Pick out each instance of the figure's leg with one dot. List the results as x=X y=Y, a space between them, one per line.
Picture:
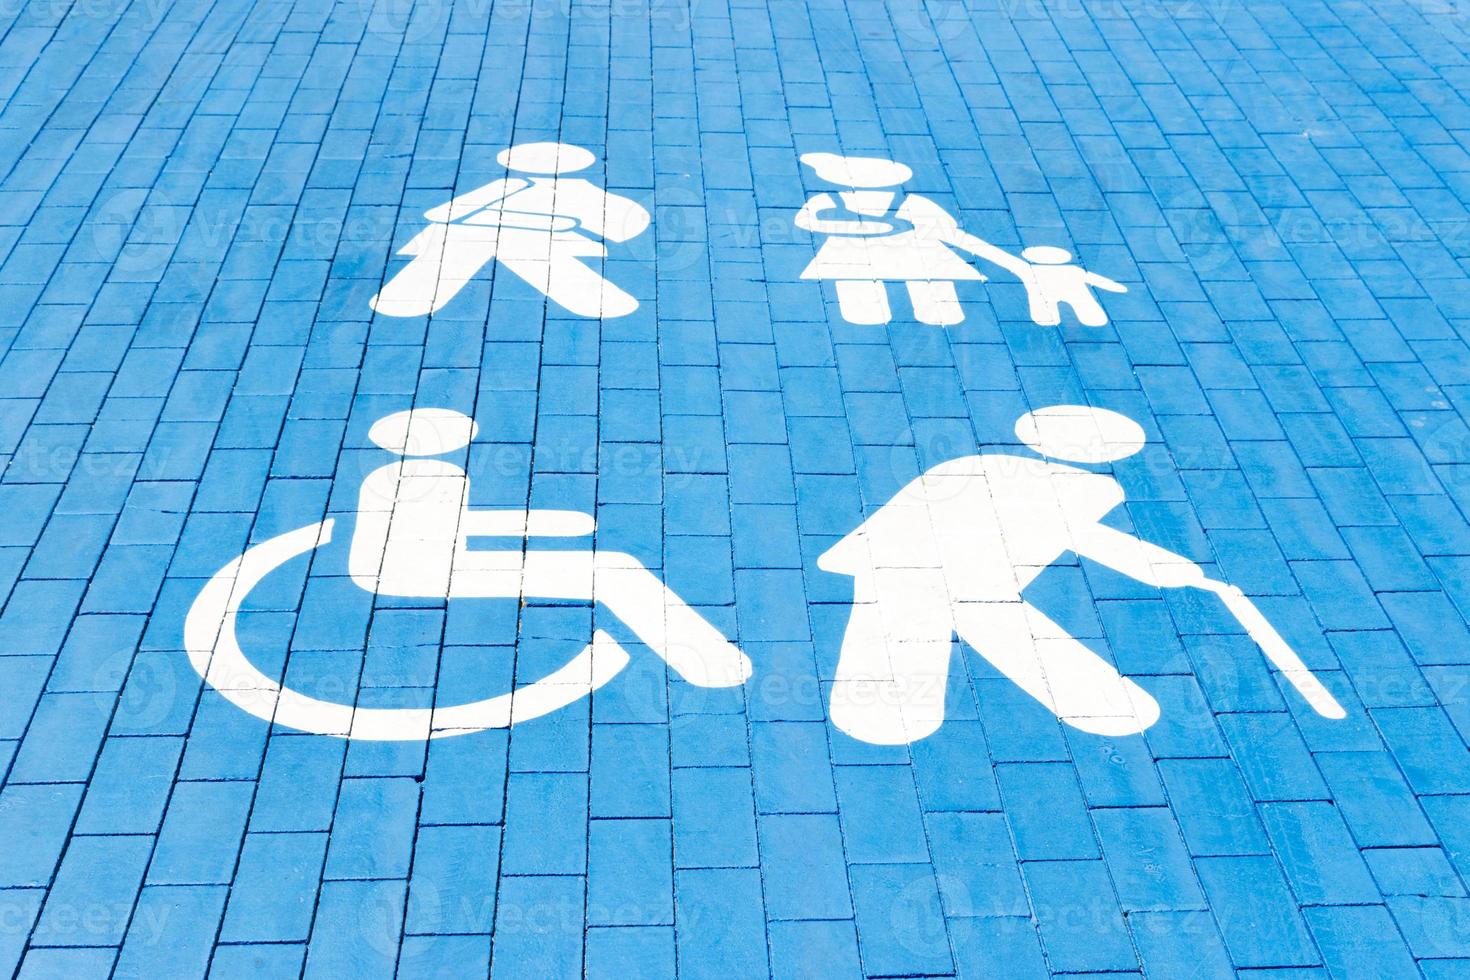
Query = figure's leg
x=1043 y=307
x=1072 y=681
x=892 y=675
x=1088 y=310
x=569 y=281
x=863 y=301
x=666 y=623
x=936 y=303
x=491 y=574
x=893 y=671
x=445 y=258
x=1045 y=313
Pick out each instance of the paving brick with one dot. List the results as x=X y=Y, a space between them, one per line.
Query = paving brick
x=900 y=924
x=1057 y=828
x=356 y=929
x=789 y=763
x=812 y=949
x=36 y=819
x=452 y=887
x=714 y=819
x=644 y=951
x=1321 y=860
x=975 y=864
x=201 y=834
x=881 y=821
x=429 y=956
x=1256 y=912
x=1180 y=941
x=1147 y=858
x=93 y=893
x=630 y=873
x=722 y=931
x=200 y=204
x=1078 y=917
x=129 y=787
x=808 y=871
x=546 y=824
x=172 y=932
x=275 y=888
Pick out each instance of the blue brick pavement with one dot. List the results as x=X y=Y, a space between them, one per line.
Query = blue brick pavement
x=197 y=202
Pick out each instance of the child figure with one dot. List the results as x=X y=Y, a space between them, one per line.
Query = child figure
x=1051 y=279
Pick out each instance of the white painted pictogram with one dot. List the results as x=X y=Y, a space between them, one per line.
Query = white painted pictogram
x=539 y=223
x=415 y=536
x=870 y=243
x=953 y=552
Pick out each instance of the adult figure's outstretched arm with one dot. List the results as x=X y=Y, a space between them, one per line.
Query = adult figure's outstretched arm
x=994 y=254
x=1104 y=283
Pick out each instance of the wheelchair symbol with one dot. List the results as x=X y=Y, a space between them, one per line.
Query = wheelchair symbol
x=412 y=538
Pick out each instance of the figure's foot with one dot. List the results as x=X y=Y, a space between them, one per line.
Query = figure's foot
x=878 y=712
x=936 y=303
x=615 y=302
x=417 y=289
x=606 y=302
x=668 y=626
x=392 y=303
x=1104 y=704
x=708 y=660
x=864 y=303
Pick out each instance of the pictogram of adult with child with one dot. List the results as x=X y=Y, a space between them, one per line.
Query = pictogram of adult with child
x=870 y=243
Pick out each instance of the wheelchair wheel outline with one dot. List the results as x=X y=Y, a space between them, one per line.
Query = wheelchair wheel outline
x=214 y=652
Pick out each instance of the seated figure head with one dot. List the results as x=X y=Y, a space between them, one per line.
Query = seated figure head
x=545 y=158
x=424 y=431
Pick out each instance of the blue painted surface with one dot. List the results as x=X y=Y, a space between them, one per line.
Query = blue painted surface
x=196 y=203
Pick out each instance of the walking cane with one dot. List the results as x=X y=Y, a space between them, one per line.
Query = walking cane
x=1276 y=649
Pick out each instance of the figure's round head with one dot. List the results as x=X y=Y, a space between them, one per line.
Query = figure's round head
x=857 y=171
x=423 y=431
x=545 y=158
x=1080 y=433
x=1046 y=255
